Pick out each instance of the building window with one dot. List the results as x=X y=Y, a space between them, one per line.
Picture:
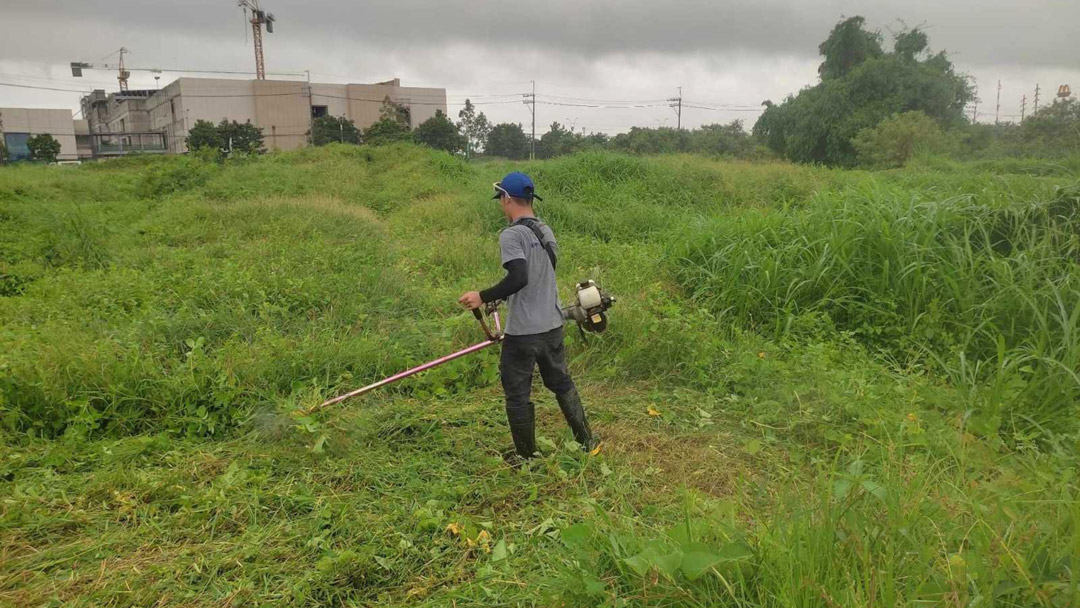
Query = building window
x=318 y=111
x=123 y=129
x=172 y=109
x=16 y=146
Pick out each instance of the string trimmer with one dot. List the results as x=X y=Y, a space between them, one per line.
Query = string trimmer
x=588 y=311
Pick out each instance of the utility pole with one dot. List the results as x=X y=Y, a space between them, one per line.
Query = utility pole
x=1036 y=99
x=975 y=106
x=997 y=111
x=1023 y=106
x=676 y=102
x=310 y=111
x=529 y=99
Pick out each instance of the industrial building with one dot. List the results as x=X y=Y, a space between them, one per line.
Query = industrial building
x=150 y=121
x=283 y=109
x=17 y=125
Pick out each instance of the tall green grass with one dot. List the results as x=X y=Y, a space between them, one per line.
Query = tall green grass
x=176 y=294
x=986 y=296
x=820 y=388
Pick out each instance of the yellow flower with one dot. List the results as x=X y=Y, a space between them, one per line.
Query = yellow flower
x=653 y=411
x=453 y=528
x=485 y=540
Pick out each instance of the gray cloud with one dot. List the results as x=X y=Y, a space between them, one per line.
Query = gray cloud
x=1025 y=32
x=733 y=52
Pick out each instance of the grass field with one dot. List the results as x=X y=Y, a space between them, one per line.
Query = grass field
x=820 y=387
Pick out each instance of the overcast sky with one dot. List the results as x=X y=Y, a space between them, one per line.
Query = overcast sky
x=728 y=54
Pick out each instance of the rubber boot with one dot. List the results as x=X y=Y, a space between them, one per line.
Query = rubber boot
x=570 y=404
x=523 y=430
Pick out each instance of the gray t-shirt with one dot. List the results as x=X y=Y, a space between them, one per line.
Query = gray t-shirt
x=535 y=309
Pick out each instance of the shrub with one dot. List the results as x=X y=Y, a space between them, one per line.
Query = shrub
x=898 y=139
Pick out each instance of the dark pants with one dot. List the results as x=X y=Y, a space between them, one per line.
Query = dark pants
x=546 y=351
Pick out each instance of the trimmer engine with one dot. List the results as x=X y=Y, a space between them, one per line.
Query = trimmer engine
x=589 y=308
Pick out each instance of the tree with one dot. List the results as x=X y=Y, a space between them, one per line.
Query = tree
x=898 y=139
x=386 y=131
x=242 y=138
x=723 y=140
x=43 y=148
x=394 y=124
x=331 y=129
x=203 y=135
x=396 y=112
x=910 y=43
x=861 y=86
x=557 y=142
x=847 y=46
x=439 y=133
x=507 y=140
x=664 y=140
x=475 y=128
x=227 y=137
x=1052 y=131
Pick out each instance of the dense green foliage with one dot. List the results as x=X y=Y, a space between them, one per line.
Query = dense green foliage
x=474 y=127
x=819 y=386
x=507 y=140
x=330 y=129
x=386 y=131
x=43 y=148
x=898 y=139
x=1051 y=132
x=226 y=138
x=849 y=45
x=861 y=85
x=440 y=133
x=730 y=140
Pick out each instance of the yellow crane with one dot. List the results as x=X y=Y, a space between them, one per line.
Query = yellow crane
x=258 y=18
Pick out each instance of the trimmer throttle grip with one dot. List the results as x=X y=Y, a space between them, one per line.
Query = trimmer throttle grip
x=479 y=315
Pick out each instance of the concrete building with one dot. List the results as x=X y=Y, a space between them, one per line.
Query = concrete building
x=120 y=112
x=17 y=125
x=158 y=120
x=282 y=108
x=119 y=123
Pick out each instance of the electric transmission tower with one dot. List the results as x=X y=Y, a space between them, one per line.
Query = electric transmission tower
x=529 y=99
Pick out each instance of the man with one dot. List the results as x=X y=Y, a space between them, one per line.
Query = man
x=534 y=331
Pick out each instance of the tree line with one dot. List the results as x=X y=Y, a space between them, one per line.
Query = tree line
x=871 y=107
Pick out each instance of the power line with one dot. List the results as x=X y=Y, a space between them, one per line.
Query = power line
x=27 y=86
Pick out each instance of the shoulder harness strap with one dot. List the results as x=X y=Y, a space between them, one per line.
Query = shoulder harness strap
x=531 y=224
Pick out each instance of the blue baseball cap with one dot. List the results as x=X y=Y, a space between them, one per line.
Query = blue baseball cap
x=518 y=185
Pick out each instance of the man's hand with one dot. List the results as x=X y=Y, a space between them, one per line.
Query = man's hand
x=471 y=300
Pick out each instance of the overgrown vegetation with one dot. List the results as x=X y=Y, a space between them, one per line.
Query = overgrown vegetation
x=43 y=148
x=861 y=85
x=226 y=138
x=820 y=387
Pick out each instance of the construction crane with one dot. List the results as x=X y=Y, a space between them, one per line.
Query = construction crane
x=122 y=73
x=258 y=18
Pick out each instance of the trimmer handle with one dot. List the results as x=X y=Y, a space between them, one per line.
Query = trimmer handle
x=496 y=335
